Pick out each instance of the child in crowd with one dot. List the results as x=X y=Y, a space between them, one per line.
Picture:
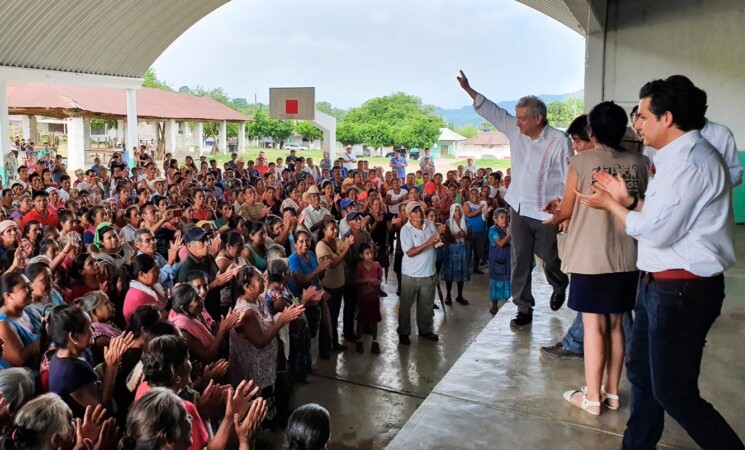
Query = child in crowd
x=368 y=277
x=500 y=269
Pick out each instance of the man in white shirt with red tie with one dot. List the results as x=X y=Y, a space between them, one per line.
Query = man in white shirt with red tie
x=539 y=155
x=685 y=235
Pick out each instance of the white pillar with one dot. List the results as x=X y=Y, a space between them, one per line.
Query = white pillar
x=77 y=142
x=199 y=137
x=4 y=130
x=327 y=124
x=223 y=136
x=171 y=135
x=120 y=127
x=25 y=127
x=241 y=137
x=132 y=136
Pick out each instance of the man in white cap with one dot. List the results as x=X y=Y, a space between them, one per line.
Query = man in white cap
x=350 y=161
x=314 y=212
x=419 y=238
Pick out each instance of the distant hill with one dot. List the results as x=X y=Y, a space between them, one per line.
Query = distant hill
x=466 y=115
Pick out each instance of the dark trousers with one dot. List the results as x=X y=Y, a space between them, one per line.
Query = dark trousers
x=350 y=309
x=531 y=237
x=335 y=308
x=664 y=361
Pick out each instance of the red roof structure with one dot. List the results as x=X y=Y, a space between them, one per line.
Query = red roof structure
x=60 y=101
x=487 y=139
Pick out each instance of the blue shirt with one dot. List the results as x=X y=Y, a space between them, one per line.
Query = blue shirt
x=399 y=166
x=298 y=264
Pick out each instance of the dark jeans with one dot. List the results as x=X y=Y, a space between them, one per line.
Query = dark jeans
x=574 y=340
x=664 y=361
x=530 y=236
x=334 y=308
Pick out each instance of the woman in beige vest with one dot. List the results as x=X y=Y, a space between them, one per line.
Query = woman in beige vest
x=600 y=256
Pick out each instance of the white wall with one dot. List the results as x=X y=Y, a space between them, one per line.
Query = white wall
x=650 y=39
x=478 y=152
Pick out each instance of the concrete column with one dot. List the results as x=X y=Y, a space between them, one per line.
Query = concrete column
x=4 y=130
x=199 y=136
x=595 y=44
x=77 y=141
x=327 y=124
x=132 y=135
x=223 y=137
x=241 y=137
x=28 y=128
x=120 y=130
x=171 y=135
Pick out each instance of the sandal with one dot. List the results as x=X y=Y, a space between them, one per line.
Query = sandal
x=461 y=300
x=448 y=301
x=494 y=308
x=585 y=403
x=604 y=397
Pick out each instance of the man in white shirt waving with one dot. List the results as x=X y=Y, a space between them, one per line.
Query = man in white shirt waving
x=539 y=153
x=685 y=234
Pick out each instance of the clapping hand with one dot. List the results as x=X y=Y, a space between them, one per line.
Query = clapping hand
x=246 y=429
x=112 y=354
x=613 y=185
x=311 y=295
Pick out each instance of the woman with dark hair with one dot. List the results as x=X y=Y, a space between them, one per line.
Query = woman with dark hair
x=85 y=277
x=186 y=315
x=95 y=216
x=256 y=245
x=253 y=343
x=144 y=288
x=600 y=256
x=71 y=376
x=309 y=428
x=335 y=250
x=166 y=364
x=40 y=279
x=111 y=250
x=20 y=342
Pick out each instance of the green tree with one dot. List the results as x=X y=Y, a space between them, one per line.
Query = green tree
x=349 y=133
x=150 y=79
x=217 y=94
x=308 y=131
x=561 y=113
x=327 y=108
x=281 y=130
x=467 y=131
x=397 y=119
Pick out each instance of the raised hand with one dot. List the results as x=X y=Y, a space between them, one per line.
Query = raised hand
x=239 y=401
x=246 y=429
x=108 y=436
x=210 y=401
x=92 y=422
x=311 y=295
x=112 y=354
x=216 y=370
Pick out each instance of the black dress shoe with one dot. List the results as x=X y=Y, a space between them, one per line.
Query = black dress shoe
x=557 y=300
x=403 y=339
x=430 y=336
x=522 y=319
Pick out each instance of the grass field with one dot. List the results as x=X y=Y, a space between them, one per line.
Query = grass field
x=443 y=164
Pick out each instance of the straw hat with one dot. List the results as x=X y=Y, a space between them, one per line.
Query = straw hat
x=311 y=190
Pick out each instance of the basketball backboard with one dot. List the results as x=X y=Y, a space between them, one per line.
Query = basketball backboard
x=292 y=103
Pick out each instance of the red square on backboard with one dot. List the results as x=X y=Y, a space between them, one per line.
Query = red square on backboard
x=291 y=106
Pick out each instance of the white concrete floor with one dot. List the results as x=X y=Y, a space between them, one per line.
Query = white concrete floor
x=498 y=392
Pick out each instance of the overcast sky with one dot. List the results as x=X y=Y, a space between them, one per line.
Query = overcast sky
x=353 y=50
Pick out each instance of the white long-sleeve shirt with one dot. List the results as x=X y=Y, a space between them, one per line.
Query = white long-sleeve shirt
x=687 y=219
x=723 y=140
x=539 y=167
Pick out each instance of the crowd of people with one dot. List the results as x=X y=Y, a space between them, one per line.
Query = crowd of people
x=141 y=298
x=180 y=302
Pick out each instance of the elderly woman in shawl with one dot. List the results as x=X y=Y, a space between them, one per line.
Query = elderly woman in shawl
x=187 y=316
x=457 y=235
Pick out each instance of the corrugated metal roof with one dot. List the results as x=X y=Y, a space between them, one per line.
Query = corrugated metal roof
x=110 y=37
x=558 y=10
x=56 y=100
x=488 y=139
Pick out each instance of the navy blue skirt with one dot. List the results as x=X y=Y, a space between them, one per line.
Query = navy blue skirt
x=608 y=293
